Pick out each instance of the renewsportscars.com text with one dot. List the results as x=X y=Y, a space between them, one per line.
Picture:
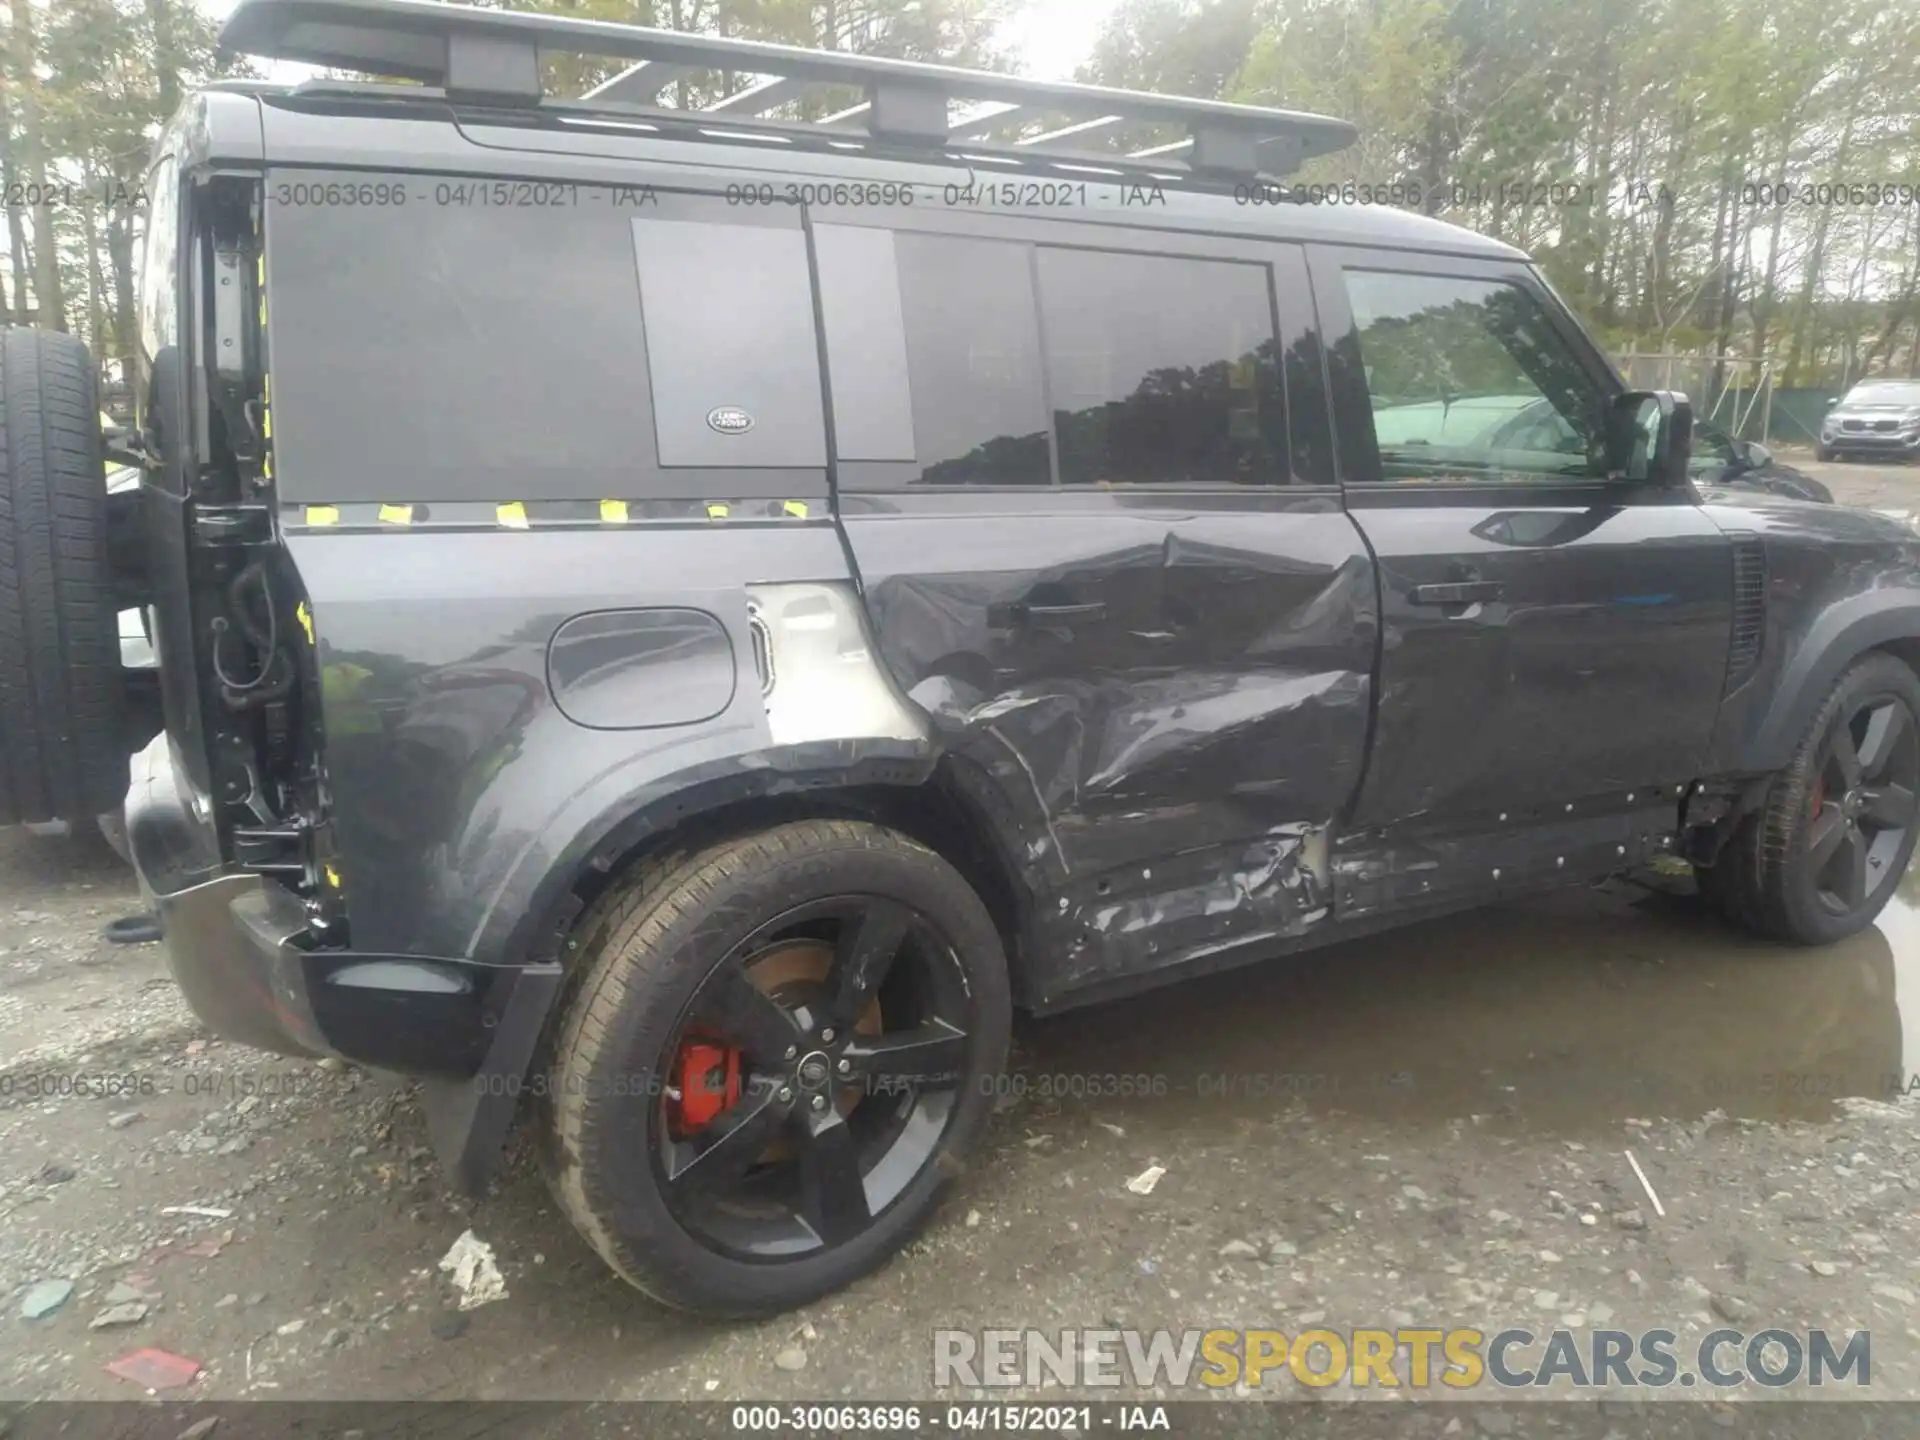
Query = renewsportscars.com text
x=1402 y=1357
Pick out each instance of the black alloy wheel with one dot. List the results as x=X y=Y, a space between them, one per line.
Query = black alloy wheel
x=1862 y=806
x=830 y=1101
x=1823 y=854
x=773 y=1057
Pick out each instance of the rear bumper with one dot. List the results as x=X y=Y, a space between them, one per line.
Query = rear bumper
x=235 y=944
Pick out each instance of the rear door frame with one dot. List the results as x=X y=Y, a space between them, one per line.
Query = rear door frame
x=1143 y=897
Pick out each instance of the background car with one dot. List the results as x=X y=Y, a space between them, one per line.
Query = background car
x=1875 y=417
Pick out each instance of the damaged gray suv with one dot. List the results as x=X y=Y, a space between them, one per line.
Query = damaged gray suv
x=674 y=622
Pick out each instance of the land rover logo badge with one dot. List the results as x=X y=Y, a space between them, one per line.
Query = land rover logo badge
x=729 y=420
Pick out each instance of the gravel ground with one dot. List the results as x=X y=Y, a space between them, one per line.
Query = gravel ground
x=1893 y=488
x=1428 y=1128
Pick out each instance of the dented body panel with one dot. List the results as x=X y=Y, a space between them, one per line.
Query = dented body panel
x=1194 y=707
x=1162 y=723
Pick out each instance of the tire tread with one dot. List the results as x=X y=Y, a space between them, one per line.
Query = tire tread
x=62 y=752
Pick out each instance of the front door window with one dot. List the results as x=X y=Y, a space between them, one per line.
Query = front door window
x=1469 y=380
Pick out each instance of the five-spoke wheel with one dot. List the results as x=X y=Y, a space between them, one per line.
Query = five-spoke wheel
x=774 y=1055
x=1863 y=803
x=814 y=1076
x=1836 y=828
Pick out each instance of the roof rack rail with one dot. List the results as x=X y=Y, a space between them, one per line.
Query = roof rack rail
x=494 y=57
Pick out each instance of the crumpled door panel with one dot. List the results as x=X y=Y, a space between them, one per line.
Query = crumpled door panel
x=1192 y=681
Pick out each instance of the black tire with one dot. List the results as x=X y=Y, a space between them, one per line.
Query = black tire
x=1776 y=875
x=648 y=953
x=62 y=732
x=1822 y=452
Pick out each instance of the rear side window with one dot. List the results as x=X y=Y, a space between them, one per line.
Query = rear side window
x=159 y=390
x=1161 y=371
x=433 y=351
x=159 y=261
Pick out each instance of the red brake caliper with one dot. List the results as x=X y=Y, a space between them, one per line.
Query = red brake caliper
x=707 y=1075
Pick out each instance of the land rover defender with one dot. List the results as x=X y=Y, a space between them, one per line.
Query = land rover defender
x=675 y=621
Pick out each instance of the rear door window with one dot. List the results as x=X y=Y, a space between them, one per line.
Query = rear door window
x=973 y=361
x=1161 y=370
x=933 y=344
x=958 y=360
x=866 y=336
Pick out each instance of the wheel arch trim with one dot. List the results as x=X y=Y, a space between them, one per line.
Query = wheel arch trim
x=1836 y=639
x=469 y=1120
x=618 y=817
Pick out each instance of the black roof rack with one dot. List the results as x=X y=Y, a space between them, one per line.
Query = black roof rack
x=494 y=57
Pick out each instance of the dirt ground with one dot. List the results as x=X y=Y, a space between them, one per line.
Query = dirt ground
x=1426 y=1128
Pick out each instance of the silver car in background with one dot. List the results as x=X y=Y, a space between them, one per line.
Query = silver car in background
x=1875 y=417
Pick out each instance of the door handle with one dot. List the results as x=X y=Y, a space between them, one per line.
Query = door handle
x=1090 y=610
x=1458 y=592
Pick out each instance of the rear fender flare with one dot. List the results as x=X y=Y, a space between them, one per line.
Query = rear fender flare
x=530 y=909
x=535 y=907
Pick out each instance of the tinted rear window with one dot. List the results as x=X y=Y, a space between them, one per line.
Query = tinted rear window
x=964 y=361
x=973 y=355
x=1161 y=371
x=429 y=351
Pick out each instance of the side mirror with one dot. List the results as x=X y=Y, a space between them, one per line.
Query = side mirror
x=1649 y=436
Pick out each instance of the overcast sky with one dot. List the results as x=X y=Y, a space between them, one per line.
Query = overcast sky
x=1056 y=35
x=1053 y=37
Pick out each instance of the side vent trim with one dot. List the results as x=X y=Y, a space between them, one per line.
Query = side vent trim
x=1749 y=611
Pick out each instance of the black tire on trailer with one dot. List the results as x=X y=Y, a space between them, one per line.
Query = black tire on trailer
x=62 y=728
x=861 y=986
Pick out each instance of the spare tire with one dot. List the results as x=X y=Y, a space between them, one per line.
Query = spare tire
x=62 y=729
